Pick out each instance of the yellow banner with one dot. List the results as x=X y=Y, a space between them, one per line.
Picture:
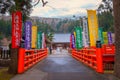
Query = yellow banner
x=93 y=26
x=34 y=37
x=74 y=34
x=105 y=37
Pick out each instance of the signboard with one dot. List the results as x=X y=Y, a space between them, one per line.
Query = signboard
x=100 y=35
x=110 y=38
x=39 y=40
x=16 y=29
x=93 y=26
x=85 y=33
x=78 y=31
x=105 y=37
x=34 y=37
x=28 y=29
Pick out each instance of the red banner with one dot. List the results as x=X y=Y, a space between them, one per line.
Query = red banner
x=16 y=29
x=71 y=41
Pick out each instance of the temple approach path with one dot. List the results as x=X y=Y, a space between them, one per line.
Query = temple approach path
x=61 y=66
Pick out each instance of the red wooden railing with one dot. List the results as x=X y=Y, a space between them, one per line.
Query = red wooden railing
x=95 y=58
x=28 y=58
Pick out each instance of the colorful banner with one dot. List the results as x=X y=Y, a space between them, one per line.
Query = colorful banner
x=105 y=37
x=74 y=34
x=85 y=33
x=34 y=37
x=27 y=31
x=73 y=41
x=85 y=44
x=16 y=29
x=39 y=40
x=79 y=43
x=93 y=26
x=43 y=41
x=100 y=35
x=110 y=41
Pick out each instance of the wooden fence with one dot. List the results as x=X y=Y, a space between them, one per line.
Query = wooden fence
x=100 y=59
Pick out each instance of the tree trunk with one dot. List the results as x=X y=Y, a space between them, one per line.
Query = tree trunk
x=13 y=66
x=116 y=6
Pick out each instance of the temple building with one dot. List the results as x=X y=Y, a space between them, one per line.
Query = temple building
x=61 y=41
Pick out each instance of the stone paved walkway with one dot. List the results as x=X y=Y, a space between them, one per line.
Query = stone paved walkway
x=61 y=66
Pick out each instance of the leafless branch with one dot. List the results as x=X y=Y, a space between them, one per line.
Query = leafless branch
x=43 y=2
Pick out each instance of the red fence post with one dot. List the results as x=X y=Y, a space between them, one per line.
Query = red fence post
x=73 y=51
x=46 y=51
x=21 y=56
x=99 y=58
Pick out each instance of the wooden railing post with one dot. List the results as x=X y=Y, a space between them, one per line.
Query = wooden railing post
x=21 y=57
x=99 y=57
x=99 y=60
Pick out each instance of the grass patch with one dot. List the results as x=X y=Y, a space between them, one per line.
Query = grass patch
x=109 y=71
x=4 y=75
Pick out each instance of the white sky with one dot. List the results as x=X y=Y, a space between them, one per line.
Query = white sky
x=65 y=8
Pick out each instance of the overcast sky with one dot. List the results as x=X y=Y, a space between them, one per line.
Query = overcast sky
x=65 y=8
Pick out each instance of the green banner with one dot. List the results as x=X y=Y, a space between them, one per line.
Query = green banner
x=105 y=37
x=100 y=34
x=39 y=40
x=79 y=43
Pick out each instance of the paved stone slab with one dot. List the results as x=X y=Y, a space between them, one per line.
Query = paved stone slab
x=62 y=67
x=32 y=74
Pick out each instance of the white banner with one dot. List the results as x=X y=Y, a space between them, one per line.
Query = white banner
x=43 y=40
x=85 y=33
x=84 y=40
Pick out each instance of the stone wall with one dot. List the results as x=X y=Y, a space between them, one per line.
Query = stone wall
x=4 y=62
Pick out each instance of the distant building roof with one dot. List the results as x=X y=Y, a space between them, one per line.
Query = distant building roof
x=61 y=38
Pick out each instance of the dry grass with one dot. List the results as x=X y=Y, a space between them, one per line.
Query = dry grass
x=109 y=71
x=4 y=75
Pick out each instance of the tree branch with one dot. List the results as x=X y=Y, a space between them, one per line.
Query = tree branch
x=43 y=2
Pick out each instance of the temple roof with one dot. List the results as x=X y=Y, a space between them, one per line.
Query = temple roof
x=61 y=38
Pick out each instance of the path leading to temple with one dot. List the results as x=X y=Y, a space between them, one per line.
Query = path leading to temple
x=61 y=66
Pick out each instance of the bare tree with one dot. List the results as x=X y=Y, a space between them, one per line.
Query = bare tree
x=43 y=2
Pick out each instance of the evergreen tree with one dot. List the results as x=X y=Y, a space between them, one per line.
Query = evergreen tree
x=106 y=6
x=5 y=28
x=9 y=6
x=105 y=21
